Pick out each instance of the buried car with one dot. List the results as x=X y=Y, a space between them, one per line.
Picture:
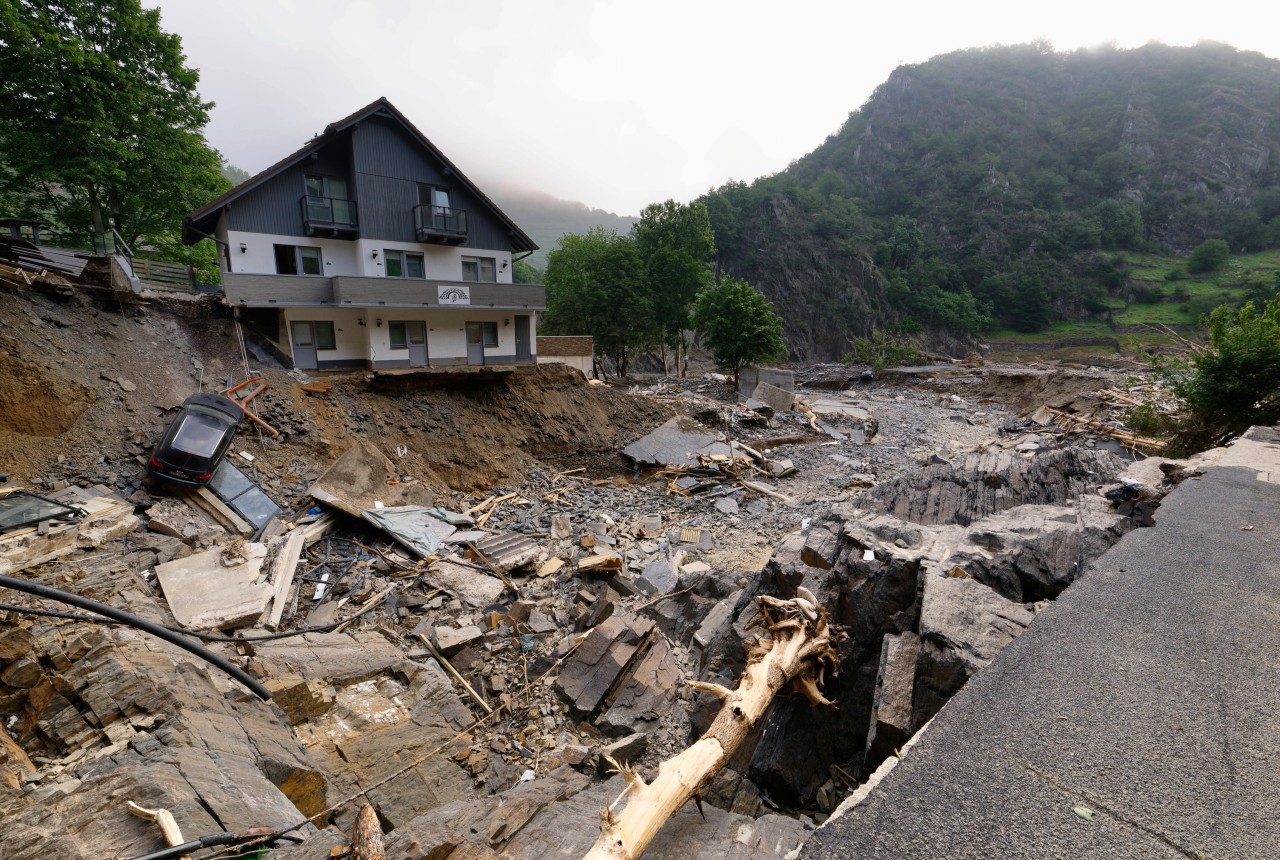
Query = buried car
x=196 y=440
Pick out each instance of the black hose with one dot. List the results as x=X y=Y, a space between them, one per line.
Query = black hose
x=194 y=845
x=142 y=624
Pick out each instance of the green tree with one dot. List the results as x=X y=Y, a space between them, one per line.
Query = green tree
x=100 y=121
x=677 y=245
x=1209 y=256
x=1236 y=382
x=524 y=272
x=596 y=285
x=738 y=326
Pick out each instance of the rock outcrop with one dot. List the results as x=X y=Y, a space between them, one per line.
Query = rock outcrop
x=930 y=576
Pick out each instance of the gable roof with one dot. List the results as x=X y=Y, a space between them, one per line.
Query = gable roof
x=201 y=223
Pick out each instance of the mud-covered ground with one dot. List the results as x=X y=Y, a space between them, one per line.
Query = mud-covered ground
x=86 y=389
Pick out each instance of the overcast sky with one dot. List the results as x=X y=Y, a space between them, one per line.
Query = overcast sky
x=617 y=104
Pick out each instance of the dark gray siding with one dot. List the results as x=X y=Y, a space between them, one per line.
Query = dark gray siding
x=389 y=164
x=275 y=205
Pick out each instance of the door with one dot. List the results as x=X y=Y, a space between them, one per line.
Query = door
x=475 y=343
x=415 y=334
x=524 y=347
x=304 y=345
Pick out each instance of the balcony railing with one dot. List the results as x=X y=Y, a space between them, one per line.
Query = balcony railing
x=439 y=224
x=329 y=216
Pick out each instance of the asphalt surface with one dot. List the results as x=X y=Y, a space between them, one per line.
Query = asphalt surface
x=1148 y=694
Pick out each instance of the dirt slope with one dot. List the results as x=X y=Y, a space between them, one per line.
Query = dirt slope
x=85 y=390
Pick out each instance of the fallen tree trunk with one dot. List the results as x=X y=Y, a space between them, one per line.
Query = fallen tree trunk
x=799 y=649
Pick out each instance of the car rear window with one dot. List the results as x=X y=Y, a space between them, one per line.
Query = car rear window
x=199 y=435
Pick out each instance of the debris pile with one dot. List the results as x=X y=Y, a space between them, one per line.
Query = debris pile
x=467 y=624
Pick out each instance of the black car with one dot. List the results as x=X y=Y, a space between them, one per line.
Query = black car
x=196 y=440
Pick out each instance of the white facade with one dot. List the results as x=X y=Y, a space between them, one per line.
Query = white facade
x=254 y=253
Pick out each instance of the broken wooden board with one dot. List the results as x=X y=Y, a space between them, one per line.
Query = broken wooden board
x=204 y=593
x=282 y=573
x=205 y=500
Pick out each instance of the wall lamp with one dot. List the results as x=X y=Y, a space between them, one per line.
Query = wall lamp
x=360 y=321
x=504 y=265
x=243 y=247
x=378 y=322
x=506 y=322
x=375 y=255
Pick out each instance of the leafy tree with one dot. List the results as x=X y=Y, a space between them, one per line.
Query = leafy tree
x=1209 y=256
x=881 y=351
x=234 y=175
x=1236 y=382
x=676 y=243
x=524 y=272
x=738 y=326
x=100 y=121
x=596 y=285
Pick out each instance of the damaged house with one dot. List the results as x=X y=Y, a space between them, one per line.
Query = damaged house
x=367 y=247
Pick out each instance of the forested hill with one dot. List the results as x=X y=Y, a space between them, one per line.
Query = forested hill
x=1002 y=186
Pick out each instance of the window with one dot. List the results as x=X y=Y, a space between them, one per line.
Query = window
x=482 y=269
x=286 y=260
x=395 y=330
x=403 y=264
x=490 y=333
x=311 y=264
x=298 y=260
x=325 y=337
x=327 y=200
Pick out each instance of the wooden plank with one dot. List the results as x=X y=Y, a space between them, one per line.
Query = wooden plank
x=204 y=498
x=282 y=573
x=603 y=561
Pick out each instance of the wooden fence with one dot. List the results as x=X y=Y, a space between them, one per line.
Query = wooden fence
x=164 y=276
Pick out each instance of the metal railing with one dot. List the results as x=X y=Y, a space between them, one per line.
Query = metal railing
x=328 y=212
x=432 y=220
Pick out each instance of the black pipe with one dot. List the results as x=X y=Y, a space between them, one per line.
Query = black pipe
x=194 y=845
x=140 y=623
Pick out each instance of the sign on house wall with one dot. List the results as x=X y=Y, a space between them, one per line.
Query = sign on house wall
x=454 y=295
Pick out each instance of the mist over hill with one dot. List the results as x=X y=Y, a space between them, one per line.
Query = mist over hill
x=546 y=218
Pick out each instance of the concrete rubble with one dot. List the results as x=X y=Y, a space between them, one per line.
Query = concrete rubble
x=468 y=661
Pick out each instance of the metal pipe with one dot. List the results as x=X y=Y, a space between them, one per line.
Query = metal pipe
x=142 y=624
x=194 y=845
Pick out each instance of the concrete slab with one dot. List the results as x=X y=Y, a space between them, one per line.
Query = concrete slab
x=205 y=594
x=361 y=478
x=679 y=442
x=473 y=587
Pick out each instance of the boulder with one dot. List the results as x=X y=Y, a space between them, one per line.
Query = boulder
x=963 y=625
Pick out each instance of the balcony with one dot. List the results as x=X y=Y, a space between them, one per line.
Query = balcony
x=266 y=291
x=440 y=225
x=329 y=217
